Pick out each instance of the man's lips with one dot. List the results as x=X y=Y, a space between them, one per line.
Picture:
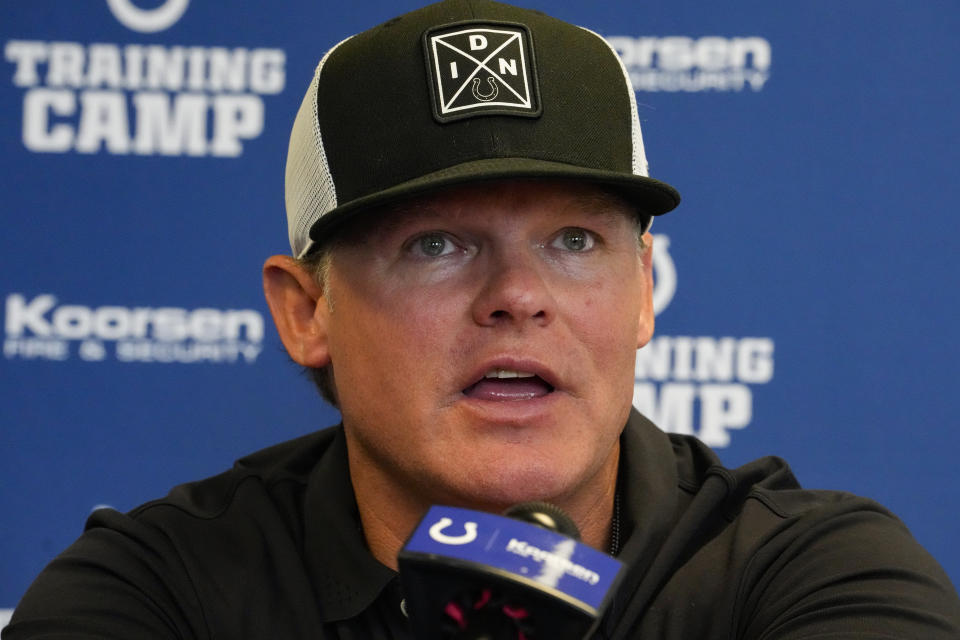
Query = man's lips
x=507 y=382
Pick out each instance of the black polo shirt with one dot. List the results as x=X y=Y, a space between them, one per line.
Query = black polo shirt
x=273 y=549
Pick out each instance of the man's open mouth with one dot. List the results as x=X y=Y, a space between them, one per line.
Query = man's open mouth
x=508 y=384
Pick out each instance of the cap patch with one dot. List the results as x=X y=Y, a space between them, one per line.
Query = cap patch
x=481 y=68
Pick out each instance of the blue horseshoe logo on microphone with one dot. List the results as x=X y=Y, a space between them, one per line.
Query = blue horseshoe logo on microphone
x=436 y=532
x=485 y=97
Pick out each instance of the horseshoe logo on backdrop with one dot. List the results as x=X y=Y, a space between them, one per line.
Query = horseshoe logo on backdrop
x=436 y=532
x=147 y=20
x=494 y=90
x=664 y=272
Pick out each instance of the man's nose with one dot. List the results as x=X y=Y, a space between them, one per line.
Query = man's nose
x=515 y=291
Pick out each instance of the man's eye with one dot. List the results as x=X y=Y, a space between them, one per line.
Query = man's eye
x=432 y=245
x=574 y=239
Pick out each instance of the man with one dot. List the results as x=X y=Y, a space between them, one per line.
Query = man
x=468 y=207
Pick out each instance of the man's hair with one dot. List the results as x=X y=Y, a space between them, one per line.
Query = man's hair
x=318 y=263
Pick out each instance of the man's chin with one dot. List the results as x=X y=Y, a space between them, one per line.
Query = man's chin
x=505 y=484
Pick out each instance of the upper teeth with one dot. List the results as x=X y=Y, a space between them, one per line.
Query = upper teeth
x=508 y=373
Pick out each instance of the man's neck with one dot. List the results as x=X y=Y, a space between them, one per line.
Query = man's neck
x=389 y=511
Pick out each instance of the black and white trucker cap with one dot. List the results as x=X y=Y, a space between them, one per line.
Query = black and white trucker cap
x=458 y=92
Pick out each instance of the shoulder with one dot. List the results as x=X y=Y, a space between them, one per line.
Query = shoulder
x=757 y=555
x=274 y=473
x=761 y=509
x=785 y=550
x=215 y=557
x=258 y=502
x=766 y=485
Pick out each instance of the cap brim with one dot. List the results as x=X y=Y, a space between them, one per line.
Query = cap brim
x=650 y=197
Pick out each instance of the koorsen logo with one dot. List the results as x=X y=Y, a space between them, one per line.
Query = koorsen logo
x=681 y=63
x=39 y=328
x=148 y=20
x=697 y=385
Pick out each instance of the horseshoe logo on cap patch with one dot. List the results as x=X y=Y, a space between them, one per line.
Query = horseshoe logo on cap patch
x=481 y=68
x=494 y=90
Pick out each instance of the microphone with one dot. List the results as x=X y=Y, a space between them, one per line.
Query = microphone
x=470 y=575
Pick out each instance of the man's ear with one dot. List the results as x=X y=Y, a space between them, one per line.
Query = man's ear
x=646 y=323
x=299 y=310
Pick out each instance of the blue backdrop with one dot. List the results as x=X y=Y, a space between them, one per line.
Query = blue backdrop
x=805 y=287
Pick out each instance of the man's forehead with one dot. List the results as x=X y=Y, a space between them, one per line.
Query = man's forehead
x=469 y=203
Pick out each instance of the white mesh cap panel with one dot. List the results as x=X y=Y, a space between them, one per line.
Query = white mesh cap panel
x=640 y=167
x=309 y=188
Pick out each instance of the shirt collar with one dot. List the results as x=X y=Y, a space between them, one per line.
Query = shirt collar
x=648 y=481
x=346 y=576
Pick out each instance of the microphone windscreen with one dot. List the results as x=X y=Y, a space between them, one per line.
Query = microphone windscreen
x=546 y=515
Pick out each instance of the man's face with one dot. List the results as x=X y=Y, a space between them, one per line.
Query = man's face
x=483 y=341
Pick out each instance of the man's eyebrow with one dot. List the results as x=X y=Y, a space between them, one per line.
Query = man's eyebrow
x=603 y=203
x=378 y=221
x=391 y=217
